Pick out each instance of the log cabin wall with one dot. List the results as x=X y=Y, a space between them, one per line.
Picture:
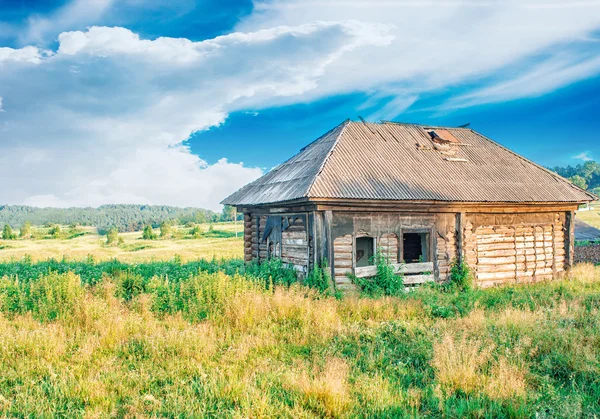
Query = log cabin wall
x=288 y=239
x=515 y=248
x=498 y=247
x=387 y=229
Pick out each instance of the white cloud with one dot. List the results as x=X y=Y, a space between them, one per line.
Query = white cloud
x=585 y=156
x=539 y=79
x=30 y=55
x=104 y=118
x=442 y=44
x=76 y=13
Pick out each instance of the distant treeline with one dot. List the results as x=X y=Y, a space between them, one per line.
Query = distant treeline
x=586 y=176
x=124 y=217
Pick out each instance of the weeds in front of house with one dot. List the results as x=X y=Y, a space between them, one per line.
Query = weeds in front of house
x=320 y=279
x=216 y=340
x=385 y=282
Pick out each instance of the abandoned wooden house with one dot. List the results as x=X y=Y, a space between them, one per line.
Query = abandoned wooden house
x=422 y=195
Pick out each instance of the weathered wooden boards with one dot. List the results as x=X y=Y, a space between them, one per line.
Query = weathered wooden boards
x=343 y=260
x=250 y=237
x=515 y=253
x=294 y=246
x=447 y=242
x=414 y=273
x=388 y=244
x=386 y=229
x=498 y=247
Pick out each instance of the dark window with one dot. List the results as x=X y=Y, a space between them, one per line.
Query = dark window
x=415 y=247
x=364 y=251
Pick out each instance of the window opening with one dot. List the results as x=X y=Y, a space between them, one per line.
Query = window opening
x=415 y=247
x=365 y=249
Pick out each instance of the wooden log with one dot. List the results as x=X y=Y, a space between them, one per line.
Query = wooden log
x=342 y=249
x=417 y=279
x=495 y=275
x=509 y=267
x=492 y=240
x=294 y=234
x=347 y=240
x=343 y=263
x=500 y=260
x=342 y=271
x=496 y=253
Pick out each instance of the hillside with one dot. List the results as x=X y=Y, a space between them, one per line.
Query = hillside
x=124 y=217
x=586 y=176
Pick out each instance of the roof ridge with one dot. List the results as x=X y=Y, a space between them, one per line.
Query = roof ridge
x=415 y=124
x=525 y=159
x=345 y=124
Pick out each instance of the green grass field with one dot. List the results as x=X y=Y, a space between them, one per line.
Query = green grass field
x=222 y=243
x=218 y=345
x=154 y=335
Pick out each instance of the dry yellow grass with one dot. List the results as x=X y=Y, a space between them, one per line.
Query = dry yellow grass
x=133 y=249
x=467 y=365
x=290 y=353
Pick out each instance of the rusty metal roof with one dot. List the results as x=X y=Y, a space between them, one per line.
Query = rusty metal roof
x=393 y=161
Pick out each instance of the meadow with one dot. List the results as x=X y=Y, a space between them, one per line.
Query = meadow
x=183 y=328
x=79 y=243
x=216 y=343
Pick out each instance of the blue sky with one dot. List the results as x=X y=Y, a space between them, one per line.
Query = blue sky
x=181 y=102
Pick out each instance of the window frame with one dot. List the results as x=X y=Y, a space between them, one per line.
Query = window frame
x=354 y=249
x=428 y=241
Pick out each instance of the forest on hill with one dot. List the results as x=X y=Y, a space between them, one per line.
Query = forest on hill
x=586 y=175
x=124 y=217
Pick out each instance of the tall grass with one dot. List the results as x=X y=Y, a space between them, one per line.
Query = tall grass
x=214 y=344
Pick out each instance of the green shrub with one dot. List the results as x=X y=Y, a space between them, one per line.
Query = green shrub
x=385 y=281
x=272 y=272
x=112 y=237
x=165 y=230
x=148 y=233
x=129 y=285
x=48 y=298
x=25 y=232
x=196 y=232
x=55 y=231
x=199 y=297
x=8 y=233
x=320 y=278
x=460 y=277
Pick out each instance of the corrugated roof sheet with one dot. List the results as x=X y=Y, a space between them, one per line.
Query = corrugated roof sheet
x=392 y=161
x=289 y=180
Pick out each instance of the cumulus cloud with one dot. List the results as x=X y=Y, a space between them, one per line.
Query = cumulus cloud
x=104 y=118
x=105 y=115
x=31 y=55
